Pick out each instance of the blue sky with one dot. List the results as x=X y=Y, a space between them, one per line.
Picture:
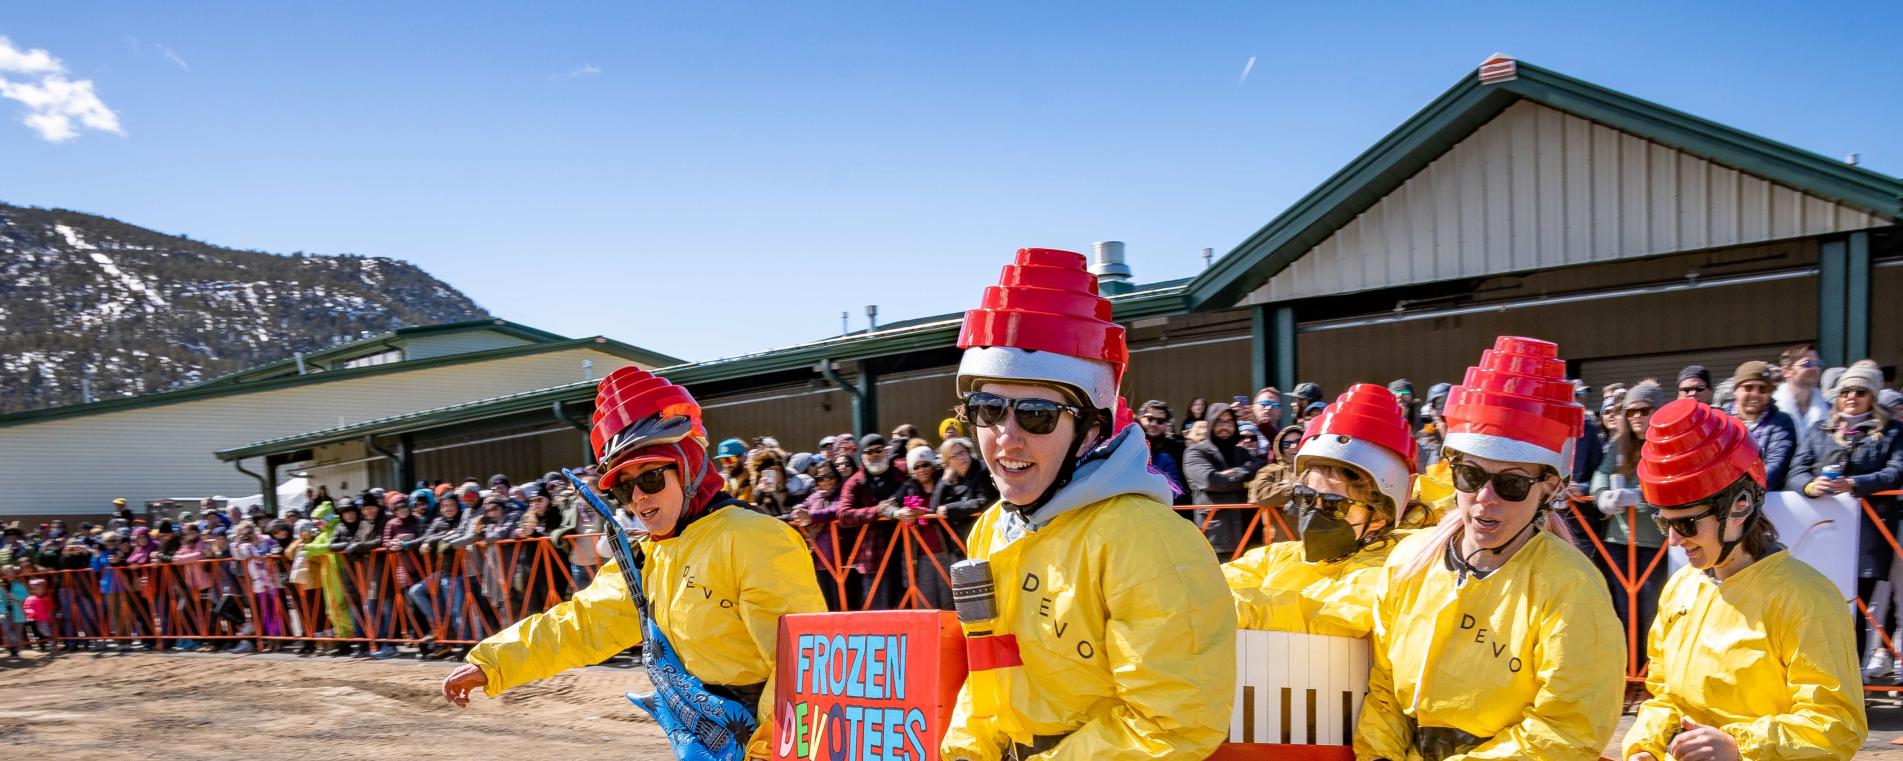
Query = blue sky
x=709 y=179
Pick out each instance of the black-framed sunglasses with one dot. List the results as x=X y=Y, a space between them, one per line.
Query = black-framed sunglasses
x=1689 y=390
x=1035 y=416
x=649 y=482
x=1512 y=487
x=1687 y=526
x=1309 y=499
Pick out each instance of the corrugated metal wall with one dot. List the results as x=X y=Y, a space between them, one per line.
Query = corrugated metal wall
x=796 y=415
x=55 y=465
x=1538 y=188
x=462 y=342
x=1886 y=317
x=1434 y=350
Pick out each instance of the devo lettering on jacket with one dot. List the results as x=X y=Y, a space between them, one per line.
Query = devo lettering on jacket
x=1500 y=648
x=1052 y=623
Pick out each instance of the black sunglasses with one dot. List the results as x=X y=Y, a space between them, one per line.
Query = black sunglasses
x=1688 y=526
x=1309 y=499
x=1512 y=487
x=1035 y=416
x=1693 y=389
x=650 y=482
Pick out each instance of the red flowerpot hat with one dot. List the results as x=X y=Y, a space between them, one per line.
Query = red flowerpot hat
x=1364 y=428
x=1516 y=406
x=1044 y=322
x=1693 y=452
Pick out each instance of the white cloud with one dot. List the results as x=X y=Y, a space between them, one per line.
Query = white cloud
x=172 y=55
x=57 y=107
x=1246 y=68
x=584 y=70
x=34 y=61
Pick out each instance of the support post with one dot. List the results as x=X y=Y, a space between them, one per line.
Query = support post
x=865 y=404
x=1843 y=299
x=1272 y=350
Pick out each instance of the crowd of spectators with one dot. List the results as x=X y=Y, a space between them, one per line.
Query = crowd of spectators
x=886 y=514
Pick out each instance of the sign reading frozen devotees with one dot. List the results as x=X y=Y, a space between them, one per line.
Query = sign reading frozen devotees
x=875 y=686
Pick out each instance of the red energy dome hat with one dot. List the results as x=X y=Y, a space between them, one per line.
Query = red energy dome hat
x=1364 y=428
x=1044 y=322
x=1516 y=406
x=635 y=409
x=1693 y=452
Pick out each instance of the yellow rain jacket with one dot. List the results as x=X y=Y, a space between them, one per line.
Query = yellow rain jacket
x=1530 y=656
x=1276 y=590
x=1125 y=629
x=1767 y=656
x=718 y=590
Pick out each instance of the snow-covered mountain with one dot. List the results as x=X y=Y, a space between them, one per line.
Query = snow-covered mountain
x=89 y=300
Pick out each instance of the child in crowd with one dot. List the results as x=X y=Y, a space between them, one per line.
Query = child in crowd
x=12 y=609
x=39 y=611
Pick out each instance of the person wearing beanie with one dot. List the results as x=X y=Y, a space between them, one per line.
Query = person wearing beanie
x=1354 y=478
x=1753 y=391
x=1694 y=382
x=1117 y=610
x=1757 y=659
x=929 y=538
x=1218 y=471
x=1891 y=400
x=715 y=579
x=1274 y=485
x=1863 y=444
x=1632 y=541
x=1493 y=636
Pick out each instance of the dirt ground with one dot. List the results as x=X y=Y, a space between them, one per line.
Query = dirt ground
x=246 y=707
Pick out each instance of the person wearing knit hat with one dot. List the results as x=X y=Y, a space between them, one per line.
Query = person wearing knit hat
x=1354 y=477
x=1892 y=400
x=1757 y=659
x=704 y=609
x=1694 y=382
x=1530 y=667
x=1753 y=389
x=1632 y=542
x=1857 y=449
x=1136 y=656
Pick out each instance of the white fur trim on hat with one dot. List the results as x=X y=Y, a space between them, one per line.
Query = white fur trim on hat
x=1512 y=450
x=1380 y=463
x=1096 y=379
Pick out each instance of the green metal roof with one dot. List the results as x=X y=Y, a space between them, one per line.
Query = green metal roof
x=1469 y=104
x=936 y=332
x=351 y=348
x=204 y=391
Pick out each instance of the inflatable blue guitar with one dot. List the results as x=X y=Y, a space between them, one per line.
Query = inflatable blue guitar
x=700 y=725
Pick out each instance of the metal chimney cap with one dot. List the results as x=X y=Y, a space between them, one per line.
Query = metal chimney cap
x=1106 y=261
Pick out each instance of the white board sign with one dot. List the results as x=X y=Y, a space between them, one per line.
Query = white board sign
x=1822 y=532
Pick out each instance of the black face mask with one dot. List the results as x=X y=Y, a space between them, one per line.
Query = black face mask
x=1327 y=536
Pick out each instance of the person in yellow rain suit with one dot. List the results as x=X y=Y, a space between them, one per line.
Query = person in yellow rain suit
x=1753 y=654
x=1122 y=625
x=1354 y=472
x=1494 y=637
x=718 y=575
x=330 y=574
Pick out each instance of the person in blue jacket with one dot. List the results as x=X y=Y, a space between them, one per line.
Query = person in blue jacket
x=1752 y=391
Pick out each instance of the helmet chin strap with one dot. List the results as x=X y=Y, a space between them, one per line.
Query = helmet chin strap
x=1065 y=471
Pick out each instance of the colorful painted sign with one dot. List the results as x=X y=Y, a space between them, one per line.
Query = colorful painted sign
x=874 y=686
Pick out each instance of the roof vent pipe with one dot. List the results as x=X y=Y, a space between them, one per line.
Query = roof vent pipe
x=1106 y=262
x=872 y=317
x=1209 y=257
x=299 y=356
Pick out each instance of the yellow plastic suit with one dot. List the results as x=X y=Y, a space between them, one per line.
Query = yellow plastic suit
x=1529 y=659
x=1767 y=656
x=329 y=571
x=1276 y=590
x=718 y=591
x=1126 y=631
